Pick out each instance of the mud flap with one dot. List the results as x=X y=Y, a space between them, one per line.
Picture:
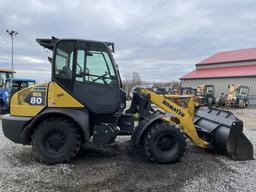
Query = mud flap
x=224 y=131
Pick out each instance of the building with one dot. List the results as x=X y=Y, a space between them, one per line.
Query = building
x=221 y=69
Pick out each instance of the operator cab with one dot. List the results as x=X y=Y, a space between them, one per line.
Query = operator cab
x=243 y=90
x=87 y=70
x=209 y=89
x=5 y=74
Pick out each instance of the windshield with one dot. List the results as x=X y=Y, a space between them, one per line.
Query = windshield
x=243 y=90
x=94 y=65
x=209 y=89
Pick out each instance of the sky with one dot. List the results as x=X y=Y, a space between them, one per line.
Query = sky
x=160 y=39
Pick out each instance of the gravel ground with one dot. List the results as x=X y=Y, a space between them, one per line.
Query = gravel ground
x=122 y=167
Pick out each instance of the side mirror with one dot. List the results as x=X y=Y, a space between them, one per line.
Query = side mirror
x=50 y=59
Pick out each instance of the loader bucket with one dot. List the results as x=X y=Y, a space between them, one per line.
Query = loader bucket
x=224 y=132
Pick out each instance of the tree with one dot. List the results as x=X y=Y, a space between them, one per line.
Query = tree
x=136 y=80
x=131 y=80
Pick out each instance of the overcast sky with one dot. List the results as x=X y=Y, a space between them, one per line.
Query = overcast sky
x=161 y=39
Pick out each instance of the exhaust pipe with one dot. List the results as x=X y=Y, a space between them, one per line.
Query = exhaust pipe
x=224 y=132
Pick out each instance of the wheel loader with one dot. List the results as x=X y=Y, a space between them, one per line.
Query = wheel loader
x=84 y=102
x=206 y=95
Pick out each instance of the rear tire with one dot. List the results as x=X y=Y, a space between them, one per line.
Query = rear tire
x=164 y=143
x=56 y=140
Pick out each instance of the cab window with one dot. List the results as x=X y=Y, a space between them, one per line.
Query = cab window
x=94 y=65
x=243 y=90
x=8 y=84
x=64 y=60
x=209 y=89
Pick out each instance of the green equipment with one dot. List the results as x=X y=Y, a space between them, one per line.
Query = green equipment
x=205 y=95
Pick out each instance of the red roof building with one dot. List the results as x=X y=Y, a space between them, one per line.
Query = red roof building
x=231 y=57
x=221 y=69
x=230 y=71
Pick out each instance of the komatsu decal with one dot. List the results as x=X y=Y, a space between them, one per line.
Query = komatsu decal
x=174 y=109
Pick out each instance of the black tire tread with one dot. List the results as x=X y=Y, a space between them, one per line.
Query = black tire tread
x=69 y=157
x=153 y=130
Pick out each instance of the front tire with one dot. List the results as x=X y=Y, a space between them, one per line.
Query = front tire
x=241 y=103
x=210 y=102
x=56 y=140
x=164 y=143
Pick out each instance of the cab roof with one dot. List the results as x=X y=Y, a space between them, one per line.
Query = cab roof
x=7 y=70
x=50 y=43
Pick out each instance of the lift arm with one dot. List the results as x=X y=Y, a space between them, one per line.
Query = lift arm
x=185 y=115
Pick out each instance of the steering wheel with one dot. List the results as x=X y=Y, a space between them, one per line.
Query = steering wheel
x=101 y=77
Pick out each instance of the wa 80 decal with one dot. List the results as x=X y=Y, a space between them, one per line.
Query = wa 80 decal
x=179 y=112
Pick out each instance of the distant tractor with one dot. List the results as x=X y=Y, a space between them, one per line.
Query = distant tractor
x=237 y=96
x=206 y=94
x=188 y=91
x=11 y=86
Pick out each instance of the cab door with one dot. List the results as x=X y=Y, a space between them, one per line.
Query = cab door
x=92 y=79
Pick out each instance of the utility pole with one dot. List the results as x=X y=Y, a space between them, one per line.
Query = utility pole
x=12 y=34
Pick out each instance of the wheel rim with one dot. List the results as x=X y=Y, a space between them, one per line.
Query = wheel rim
x=55 y=142
x=167 y=143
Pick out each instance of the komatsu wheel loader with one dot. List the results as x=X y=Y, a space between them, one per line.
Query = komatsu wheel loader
x=84 y=102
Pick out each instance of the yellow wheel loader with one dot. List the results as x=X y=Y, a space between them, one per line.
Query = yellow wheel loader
x=85 y=102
